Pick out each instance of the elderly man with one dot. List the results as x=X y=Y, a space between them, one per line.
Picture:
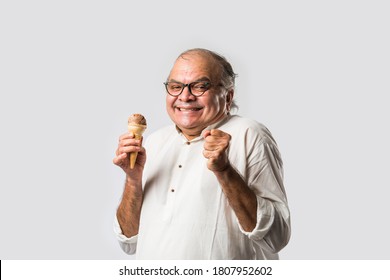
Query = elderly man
x=211 y=185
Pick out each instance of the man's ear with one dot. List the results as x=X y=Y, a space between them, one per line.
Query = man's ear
x=229 y=99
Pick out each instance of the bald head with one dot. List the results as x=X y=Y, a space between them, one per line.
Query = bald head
x=227 y=74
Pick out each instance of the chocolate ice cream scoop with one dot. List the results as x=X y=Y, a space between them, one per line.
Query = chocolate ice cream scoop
x=137 y=119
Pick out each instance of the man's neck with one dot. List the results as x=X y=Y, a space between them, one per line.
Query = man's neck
x=191 y=134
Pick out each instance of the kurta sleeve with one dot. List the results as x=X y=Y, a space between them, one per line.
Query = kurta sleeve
x=264 y=174
x=128 y=244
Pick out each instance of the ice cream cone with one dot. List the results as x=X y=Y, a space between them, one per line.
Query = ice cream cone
x=137 y=130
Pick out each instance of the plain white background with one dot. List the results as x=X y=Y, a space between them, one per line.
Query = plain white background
x=316 y=73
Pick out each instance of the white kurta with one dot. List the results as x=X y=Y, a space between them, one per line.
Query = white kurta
x=185 y=214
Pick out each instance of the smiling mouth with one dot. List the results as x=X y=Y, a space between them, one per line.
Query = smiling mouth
x=188 y=109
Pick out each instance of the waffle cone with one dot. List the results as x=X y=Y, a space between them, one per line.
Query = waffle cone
x=137 y=130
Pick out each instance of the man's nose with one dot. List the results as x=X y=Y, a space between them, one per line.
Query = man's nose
x=186 y=95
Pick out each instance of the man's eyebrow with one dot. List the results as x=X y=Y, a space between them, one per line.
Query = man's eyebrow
x=201 y=79
x=173 y=80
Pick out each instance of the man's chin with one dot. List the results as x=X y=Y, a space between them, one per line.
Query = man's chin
x=190 y=130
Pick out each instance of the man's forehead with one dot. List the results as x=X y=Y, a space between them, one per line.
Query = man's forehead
x=199 y=57
x=191 y=62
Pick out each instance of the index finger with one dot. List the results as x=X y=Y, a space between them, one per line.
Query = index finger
x=127 y=135
x=217 y=132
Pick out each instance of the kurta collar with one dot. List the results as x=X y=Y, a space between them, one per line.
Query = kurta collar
x=200 y=137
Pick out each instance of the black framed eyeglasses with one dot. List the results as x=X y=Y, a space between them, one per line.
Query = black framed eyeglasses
x=196 y=88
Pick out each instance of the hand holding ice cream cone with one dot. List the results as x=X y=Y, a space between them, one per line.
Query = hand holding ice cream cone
x=136 y=124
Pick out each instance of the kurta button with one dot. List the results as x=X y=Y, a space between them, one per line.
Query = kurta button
x=172 y=190
x=180 y=166
x=188 y=143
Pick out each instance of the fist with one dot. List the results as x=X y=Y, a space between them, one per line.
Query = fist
x=215 y=149
x=128 y=144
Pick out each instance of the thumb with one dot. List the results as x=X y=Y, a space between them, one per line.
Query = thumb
x=206 y=133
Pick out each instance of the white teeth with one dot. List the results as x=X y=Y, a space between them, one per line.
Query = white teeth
x=188 y=109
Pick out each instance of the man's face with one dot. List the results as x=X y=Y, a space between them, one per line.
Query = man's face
x=193 y=114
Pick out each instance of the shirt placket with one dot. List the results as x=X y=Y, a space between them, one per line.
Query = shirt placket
x=177 y=176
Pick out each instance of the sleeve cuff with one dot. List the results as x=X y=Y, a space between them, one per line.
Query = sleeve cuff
x=128 y=244
x=265 y=217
